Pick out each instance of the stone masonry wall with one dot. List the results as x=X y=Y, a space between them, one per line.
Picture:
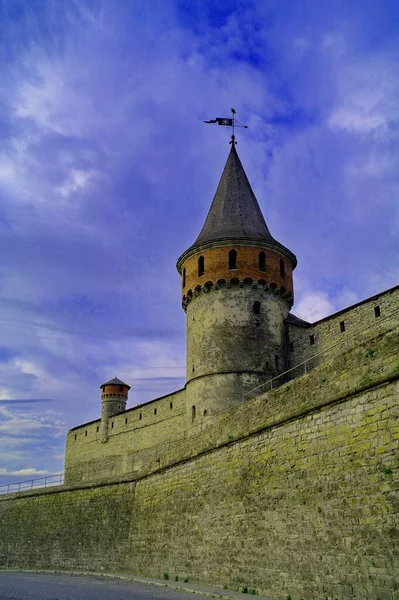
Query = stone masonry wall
x=73 y=529
x=327 y=332
x=88 y=459
x=294 y=492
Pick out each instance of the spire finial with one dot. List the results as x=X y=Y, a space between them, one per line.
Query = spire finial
x=229 y=123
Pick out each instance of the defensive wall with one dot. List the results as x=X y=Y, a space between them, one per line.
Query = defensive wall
x=293 y=492
x=378 y=313
x=87 y=458
x=133 y=434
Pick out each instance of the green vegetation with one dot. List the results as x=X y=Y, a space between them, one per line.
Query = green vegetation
x=166 y=575
x=370 y=353
x=244 y=589
x=388 y=471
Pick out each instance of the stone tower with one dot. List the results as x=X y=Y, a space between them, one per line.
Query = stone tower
x=114 y=394
x=237 y=291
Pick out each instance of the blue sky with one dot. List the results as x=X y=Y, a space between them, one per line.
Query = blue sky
x=107 y=173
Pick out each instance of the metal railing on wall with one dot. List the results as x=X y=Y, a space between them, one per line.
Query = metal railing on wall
x=31 y=484
x=271 y=384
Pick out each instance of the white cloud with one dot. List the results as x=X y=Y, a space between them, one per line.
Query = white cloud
x=29 y=472
x=78 y=179
x=313 y=306
x=367 y=101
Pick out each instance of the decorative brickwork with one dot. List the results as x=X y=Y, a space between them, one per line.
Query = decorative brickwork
x=216 y=268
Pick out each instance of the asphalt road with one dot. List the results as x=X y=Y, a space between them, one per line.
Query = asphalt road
x=52 y=586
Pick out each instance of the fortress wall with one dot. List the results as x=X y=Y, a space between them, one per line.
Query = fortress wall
x=76 y=529
x=294 y=492
x=88 y=458
x=327 y=331
x=307 y=509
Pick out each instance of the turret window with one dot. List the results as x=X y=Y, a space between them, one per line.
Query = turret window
x=257 y=308
x=192 y=413
x=201 y=266
x=184 y=278
x=282 y=268
x=262 y=261
x=232 y=259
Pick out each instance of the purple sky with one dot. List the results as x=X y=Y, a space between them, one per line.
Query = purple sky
x=107 y=173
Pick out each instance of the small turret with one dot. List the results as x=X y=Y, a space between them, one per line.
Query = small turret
x=114 y=395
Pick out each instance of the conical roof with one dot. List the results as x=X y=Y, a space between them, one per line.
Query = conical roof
x=234 y=216
x=235 y=212
x=115 y=381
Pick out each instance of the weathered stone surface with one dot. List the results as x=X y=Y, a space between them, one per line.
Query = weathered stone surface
x=293 y=492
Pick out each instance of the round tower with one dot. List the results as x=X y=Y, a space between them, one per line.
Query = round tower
x=114 y=395
x=237 y=291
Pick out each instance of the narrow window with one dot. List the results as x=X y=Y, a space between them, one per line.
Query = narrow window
x=262 y=261
x=171 y=405
x=98 y=429
x=192 y=413
x=119 y=406
x=193 y=368
x=377 y=312
x=282 y=268
x=184 y=277
x=342 y=326
x=257 y=308
x=201 y=266
x=205 y=412
x=291 y=347
x=232 y=259
x=140 y=416
x=112 y=425
x=277 y=361
x=76 y=437
x=85 y=433
x=311 y=339
x=121 y=388
x=155 y=411
x=125 y=420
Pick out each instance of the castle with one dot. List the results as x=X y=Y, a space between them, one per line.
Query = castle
x=275 y=469
x=237 y=292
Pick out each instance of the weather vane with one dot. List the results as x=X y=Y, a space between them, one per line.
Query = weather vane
x=230 y=122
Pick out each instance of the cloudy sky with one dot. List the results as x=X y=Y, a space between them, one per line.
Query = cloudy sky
x=107 y=172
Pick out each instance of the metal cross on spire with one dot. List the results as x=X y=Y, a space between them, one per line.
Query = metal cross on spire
x=229 y=122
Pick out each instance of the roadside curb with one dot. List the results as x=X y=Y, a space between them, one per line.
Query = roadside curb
x=194 y=588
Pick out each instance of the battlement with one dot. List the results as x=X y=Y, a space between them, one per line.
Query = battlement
x=235 y=282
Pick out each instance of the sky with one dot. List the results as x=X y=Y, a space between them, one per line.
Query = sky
x=107 y=172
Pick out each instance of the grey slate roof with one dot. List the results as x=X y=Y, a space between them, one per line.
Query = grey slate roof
x=235 y=212
x=115 y=381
